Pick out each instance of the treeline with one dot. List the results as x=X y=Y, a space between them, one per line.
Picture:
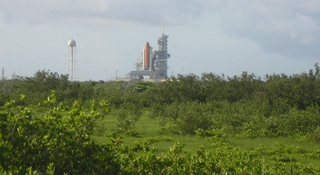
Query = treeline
x=39 y=87
x=299 y=90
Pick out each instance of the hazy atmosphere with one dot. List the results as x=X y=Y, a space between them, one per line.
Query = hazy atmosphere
x=231 y=36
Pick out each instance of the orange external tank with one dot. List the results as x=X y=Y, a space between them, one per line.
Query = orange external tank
x=146 y=55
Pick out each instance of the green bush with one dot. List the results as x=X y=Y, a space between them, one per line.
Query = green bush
x=186 y=117
x=59 y=138
x=296 y=121
x=315 y=135
x=126 y=120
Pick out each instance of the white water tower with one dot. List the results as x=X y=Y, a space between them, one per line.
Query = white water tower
x=72 y=66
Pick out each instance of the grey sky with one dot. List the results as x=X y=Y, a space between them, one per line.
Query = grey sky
x=230 y=36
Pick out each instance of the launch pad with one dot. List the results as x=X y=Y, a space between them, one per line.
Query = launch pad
x=153 y=63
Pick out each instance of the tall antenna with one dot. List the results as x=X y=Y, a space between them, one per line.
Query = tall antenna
x=2 y=73
x=116 y=74
x=72 y=66
x=162 y=28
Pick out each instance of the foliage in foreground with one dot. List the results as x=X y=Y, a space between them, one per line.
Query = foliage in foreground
x=59 y=138
x=55 y=139
x=59 y=142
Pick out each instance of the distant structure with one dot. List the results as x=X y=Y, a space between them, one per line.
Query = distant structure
x=153 y=63
x=2 y=74
x=72 y=65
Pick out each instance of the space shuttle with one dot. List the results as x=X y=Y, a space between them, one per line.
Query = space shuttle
x=147 y=57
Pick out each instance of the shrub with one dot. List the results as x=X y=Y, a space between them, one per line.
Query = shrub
x=59 y=139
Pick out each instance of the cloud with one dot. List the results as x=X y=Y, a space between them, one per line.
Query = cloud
x=289 y=27
x=39 y=11
x=103 y=11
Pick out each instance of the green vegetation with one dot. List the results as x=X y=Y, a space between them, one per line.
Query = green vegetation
x=186 y=125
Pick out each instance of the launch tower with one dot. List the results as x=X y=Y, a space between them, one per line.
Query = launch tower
x=162 y=55
x=153 y=62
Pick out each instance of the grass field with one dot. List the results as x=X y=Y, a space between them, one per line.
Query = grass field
x=294 y=148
